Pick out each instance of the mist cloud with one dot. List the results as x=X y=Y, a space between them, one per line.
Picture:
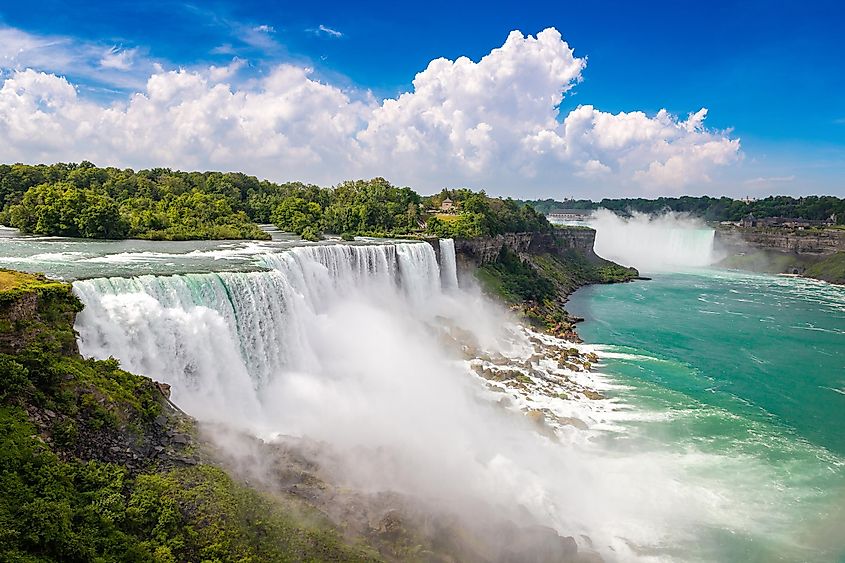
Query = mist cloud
x=666 y=242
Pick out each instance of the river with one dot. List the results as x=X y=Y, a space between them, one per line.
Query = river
x=743 y=376
x=720 y=437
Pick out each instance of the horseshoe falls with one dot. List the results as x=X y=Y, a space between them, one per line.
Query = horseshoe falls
x=653 y=243
x=702 y=450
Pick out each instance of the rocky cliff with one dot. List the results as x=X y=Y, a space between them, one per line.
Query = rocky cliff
x=485 y=250
x=816 y=242
x=816 y=253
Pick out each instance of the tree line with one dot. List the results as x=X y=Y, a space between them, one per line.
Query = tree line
x=83 y=200
x=711 y=208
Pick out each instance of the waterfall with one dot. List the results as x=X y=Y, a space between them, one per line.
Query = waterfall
x=667 y=242
x=217 y=338
x=448 y=265
x=362 y=348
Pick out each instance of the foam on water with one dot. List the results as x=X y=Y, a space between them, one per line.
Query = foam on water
x=357 y=346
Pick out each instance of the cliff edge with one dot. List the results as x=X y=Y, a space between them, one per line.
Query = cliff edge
x=535 y=273
x=817 y=253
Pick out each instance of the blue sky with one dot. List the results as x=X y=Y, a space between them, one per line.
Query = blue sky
x=771 y=74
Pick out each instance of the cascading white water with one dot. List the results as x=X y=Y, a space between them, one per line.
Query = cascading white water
x=343 y=344
x=667 y=242
x=238 y=330
x=448 y=264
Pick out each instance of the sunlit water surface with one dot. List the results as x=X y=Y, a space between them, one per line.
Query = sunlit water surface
x=744 y=375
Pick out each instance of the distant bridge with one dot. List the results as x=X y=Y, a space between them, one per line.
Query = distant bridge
x=570 y=214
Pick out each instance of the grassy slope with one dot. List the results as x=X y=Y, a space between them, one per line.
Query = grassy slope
x=539 y=285
x=83 y=474
x=830 y=269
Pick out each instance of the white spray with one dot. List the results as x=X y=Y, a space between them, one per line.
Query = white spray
x=338 y=343
x=670 y=241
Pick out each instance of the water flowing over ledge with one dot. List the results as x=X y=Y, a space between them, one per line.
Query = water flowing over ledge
x=349 y=345
x=422 y=387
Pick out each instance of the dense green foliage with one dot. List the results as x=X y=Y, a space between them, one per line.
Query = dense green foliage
x=362 y=207
x=86 y=201
x=57 y=510
x=480 y=215
x=63 y=209
x=82 y=200
x=516 y=280
x=710 y=208
x=63 y=495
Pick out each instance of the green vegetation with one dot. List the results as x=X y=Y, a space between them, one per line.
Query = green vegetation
x=515 y=279
x=57 y=510
x=13 y=283
x=82 y=200
x=476 y=215
x=75 y=482
x=538 y=284
x=710 y=208
x=830 y=269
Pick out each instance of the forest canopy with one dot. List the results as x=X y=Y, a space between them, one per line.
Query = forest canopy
x=83 y=200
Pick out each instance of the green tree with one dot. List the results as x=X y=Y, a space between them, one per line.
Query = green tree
x=295 y=214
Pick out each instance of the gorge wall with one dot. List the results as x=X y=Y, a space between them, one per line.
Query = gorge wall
x=818 y=254
x=484 y=250
x=808 y=242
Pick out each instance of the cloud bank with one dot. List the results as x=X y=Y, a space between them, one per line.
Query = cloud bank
x=491 y=124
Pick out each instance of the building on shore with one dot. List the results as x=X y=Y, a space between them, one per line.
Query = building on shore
x=785 y=222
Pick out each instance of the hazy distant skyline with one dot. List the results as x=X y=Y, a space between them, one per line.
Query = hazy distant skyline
x=602 y=99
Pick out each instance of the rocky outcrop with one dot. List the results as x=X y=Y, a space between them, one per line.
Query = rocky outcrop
x=484 y=250
x=36 y=311
x=816 y=242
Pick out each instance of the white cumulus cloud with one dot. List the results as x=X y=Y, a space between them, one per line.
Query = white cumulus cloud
x=492 y=123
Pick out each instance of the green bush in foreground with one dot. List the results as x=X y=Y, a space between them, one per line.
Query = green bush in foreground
x=69 y=511
x=57 y=504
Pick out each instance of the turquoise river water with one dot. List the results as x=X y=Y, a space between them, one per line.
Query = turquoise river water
x=723 y=438
x=743 y=376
